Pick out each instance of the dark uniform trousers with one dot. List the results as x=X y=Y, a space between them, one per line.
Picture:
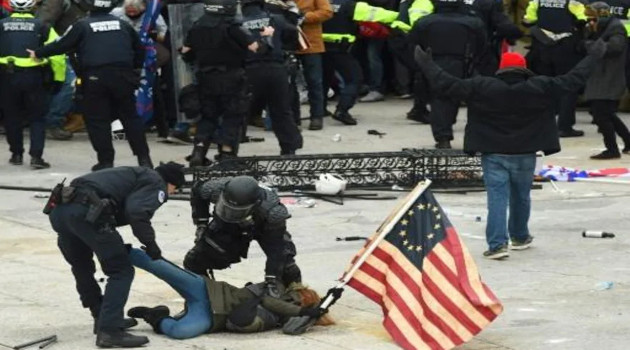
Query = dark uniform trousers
x=349 y=70
x=223 y=97
x=554 y=60
x=24 y=98
x=444 y=110
x=109 y=93
x=78 y=240
x=269 y=86
x=605 y=116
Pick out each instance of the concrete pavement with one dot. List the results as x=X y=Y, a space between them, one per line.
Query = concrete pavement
x=549 y=291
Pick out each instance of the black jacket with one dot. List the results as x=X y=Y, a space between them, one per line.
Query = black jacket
x=512 y=113
x=138 y=192
x=608 y=81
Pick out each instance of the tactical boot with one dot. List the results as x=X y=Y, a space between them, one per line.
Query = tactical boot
x=151 y=315
x=16 y=159
x=145 y=161
x=443 y=144
x=316 y=124
x=119 y=339
x=198 y=156
x=38 y=163
x=58 y=134
x=344 y=117
x=127 y=323
x=104 y=165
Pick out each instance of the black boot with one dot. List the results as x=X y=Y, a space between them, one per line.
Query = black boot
x=104 y=165
x=198 y=156
x=119 y=339
x=344 y=117
x=127 y=323
x=145 y=161
x=39 y=163
x=16 y=159
x=151 y=315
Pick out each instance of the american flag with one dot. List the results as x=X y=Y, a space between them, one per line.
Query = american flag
x=424 y=278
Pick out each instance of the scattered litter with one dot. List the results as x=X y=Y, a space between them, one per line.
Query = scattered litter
x=597 y=234
x=299 y=202
x=604 y=285
x=376 y=132
x=41 y=195
x=336 y=138
x=351 y=238
x=397 y=188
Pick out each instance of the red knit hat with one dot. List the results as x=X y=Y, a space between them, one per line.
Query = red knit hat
x=512 y=59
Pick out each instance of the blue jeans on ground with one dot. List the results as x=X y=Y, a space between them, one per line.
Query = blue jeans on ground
x=198 y=317
x=314 y=76
x=375 y=63
x=508 y=179
x=61 y=103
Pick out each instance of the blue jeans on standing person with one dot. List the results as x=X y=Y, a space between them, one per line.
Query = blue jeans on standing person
x=198 y=317
x=314 y=76
x=61 y=103
x=508 y=179
x=375 y=63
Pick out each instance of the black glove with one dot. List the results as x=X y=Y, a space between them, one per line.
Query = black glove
x=596 y=48
x=314 y=312
x=153 y=251
x=335 y=292
x=271 y=287
x=421 y=56
x=201 y=229
x=298 y=324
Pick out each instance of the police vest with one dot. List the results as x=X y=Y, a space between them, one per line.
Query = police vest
x=255 y=21
x=619 y=8
x=19 y=34
x=341 y=22
x=554 y=16
x=106 y=42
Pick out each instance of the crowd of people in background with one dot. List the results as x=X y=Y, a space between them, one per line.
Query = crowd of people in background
x=321 y=50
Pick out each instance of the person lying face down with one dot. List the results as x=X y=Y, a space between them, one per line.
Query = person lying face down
x=213 y=306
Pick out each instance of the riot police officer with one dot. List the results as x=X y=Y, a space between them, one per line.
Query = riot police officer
x=85 y=221
x=217 y=45
x=243 y=211
x=556 y=25
x=110 y=55
x=25 y=83
x=267 y=68
x=457 y=37
x=339 y=34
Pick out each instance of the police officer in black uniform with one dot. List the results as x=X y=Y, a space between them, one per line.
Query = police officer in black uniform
x=25 y=84
x=85 y=221
x=456 y=36
x=267 y=69
x=217 y=45
x=243 y=211
x=110 y=56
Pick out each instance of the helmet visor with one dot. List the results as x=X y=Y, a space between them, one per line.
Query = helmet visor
x=230 y=212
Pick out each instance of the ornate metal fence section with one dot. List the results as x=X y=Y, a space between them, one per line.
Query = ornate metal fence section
x=446 y=168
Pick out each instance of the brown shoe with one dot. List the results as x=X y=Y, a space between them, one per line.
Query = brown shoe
x=75 y=123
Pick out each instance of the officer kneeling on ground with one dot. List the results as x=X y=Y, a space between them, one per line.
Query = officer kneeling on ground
x=85 y=216
x=243 y=211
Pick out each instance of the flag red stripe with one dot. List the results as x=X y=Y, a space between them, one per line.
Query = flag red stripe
x=397 y=335
x=455 y=282
x=367 y=291
x=458 y=254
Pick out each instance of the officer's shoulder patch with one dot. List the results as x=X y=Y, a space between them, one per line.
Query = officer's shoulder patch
x=161 y=196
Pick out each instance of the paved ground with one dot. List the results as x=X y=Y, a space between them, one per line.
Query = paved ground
x=549 y=291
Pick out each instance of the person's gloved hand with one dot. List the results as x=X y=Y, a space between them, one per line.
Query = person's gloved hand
x=201 y=229
x=271 y=286
x=596 y=48
x=314 y=312
x=335 y=293
x=153 y=251
x=422 y=57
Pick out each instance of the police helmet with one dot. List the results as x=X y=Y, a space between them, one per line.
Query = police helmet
x=597 y=9
x=22 y=5
x=220 y=7
x=102 y=5
x=248 y=2
x=238 y=199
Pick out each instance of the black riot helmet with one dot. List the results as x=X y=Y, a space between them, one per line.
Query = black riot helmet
x=220 y=7
x=238 y=199
x=248 y=2
x=103 y=6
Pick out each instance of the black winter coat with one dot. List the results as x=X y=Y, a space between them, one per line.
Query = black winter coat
x=513 y=112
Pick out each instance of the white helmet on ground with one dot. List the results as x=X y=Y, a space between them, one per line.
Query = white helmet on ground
x=22 y=5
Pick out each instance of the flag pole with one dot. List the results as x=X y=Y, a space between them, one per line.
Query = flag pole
x=409 y=201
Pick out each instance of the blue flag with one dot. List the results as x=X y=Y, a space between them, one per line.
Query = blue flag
x=144 y=94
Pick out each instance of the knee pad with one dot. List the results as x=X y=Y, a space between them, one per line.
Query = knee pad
x=193 y=261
